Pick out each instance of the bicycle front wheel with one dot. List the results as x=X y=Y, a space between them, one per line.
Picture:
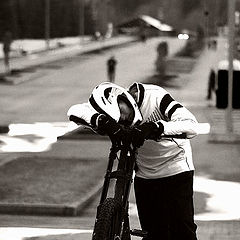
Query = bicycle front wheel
x=108 y=224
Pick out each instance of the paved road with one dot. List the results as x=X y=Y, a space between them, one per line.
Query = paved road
x=47 y=98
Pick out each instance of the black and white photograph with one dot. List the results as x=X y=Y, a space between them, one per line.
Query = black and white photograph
x=119 y=119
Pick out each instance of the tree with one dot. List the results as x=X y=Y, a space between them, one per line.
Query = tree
x=188 y=6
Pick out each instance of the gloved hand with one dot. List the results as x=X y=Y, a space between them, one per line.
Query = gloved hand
x=148 y=130
x=152 y=130
x=107 y=125
x=137 y=137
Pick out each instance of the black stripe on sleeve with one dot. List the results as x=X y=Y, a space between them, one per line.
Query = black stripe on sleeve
x=166 y=100
x=141 y=95
x=173 y=109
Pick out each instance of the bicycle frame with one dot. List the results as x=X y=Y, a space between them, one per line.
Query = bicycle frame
x=118 y=217
x=123 y=176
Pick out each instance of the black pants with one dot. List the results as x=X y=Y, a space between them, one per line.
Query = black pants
x=111 y=76
x=165 y=207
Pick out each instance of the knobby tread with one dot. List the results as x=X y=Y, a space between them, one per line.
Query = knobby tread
x=103 y=223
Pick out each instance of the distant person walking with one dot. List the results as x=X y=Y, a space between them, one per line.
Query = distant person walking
x=211 y=84
x=111 y=69
x=7 y=40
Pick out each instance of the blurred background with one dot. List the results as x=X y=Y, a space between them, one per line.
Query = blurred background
x=54 y=52
x=58 y=18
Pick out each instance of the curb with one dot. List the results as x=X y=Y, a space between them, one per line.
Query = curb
x=13 y=80
x=80 y=206
x=106 y=47
x=72 y=209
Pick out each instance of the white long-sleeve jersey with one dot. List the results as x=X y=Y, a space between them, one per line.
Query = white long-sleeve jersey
x=170 y=156
x=165 y=157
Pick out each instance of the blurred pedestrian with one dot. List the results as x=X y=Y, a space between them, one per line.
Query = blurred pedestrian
x=111 y=69
x=143 y=34
x=143 y=37
x=7 y=40
x=211 y=84
x=97 y=36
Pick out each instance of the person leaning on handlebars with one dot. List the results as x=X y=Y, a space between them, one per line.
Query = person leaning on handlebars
x=163 y=181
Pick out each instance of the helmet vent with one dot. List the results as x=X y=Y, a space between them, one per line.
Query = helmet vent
x=103 y=100
x=107 y=92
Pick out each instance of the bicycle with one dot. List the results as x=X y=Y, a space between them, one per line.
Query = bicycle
x=112 y=218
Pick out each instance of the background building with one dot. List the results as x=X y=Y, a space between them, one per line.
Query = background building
x=25 y=18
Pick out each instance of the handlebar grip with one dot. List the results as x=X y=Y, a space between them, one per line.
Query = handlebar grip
x=78 y=121
x=180 y=136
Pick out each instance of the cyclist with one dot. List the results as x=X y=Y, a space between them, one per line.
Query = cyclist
x=164 y=177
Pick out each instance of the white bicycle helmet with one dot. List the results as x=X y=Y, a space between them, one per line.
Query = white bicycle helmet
x=105 y=99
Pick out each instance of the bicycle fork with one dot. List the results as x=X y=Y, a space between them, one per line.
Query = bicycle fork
x=124 y=179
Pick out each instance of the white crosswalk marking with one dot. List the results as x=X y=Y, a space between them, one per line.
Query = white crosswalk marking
x=36 y=137
x=20 y=233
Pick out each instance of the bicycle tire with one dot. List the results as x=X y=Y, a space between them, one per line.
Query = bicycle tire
x=104 y=225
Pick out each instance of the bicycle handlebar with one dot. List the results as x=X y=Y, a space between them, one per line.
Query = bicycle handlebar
x=116 y=148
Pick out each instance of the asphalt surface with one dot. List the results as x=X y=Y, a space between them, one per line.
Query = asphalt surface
x=216 y=155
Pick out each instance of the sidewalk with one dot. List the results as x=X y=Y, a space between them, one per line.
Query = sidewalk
x=27 y=63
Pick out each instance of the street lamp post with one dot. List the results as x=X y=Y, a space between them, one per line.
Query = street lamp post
x=231 y=30
x=206 y=16
x=47 y=23
x=81 y=20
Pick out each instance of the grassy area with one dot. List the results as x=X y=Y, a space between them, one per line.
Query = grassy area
x=49 y=180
